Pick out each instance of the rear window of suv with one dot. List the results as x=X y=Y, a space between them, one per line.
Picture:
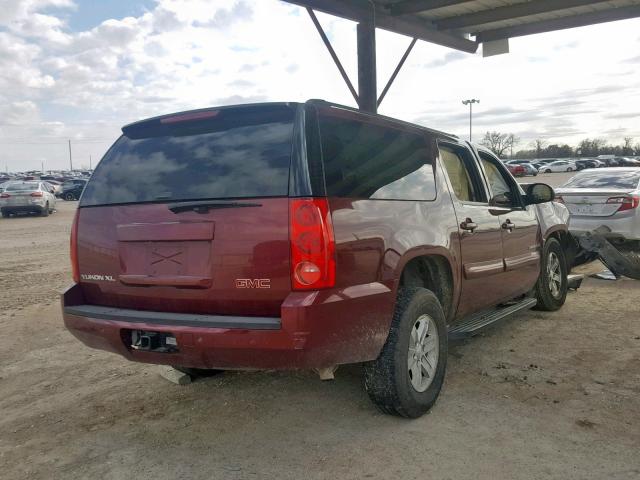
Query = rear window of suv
x=363 y=159
x=230 y=153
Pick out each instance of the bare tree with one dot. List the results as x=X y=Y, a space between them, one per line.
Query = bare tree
x=498 y=142
x=627 y=148
x=539 y=145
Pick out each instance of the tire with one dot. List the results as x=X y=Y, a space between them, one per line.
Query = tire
x=198 y=372
x=535 y=174
x=547 y=170
x=569 y=169
x=551 y=293
x=45 y=211
x=388 y=379
x=5 y=214
x=631 y=252
x=69 y=197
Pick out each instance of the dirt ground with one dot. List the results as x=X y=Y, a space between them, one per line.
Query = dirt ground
x=544 y=395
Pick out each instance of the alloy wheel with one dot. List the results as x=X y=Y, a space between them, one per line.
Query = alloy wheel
x=554 y=275
x=423 y=353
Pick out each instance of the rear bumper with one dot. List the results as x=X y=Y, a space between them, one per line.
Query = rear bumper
x=620 y=226
x=22 y=208
x=316 y=329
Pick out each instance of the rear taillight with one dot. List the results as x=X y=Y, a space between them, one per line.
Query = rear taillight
x=313 y=263
x=36 y=194
x=75 y=268
x=5 y=195
x=626 y=203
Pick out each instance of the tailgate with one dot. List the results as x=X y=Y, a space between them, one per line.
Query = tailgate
x=227 y=262
x=189 y=213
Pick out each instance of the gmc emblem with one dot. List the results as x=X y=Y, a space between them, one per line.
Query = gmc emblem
x=253 y=283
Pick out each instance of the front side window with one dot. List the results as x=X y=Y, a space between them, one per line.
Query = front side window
x=364 y=159
x=461 y=173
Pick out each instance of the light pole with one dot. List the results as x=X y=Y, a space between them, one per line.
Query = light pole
x=470 y=102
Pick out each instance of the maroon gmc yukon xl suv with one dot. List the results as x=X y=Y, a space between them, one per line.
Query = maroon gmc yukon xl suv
x=306 y=235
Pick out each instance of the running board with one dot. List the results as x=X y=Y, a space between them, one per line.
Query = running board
x=469 y=326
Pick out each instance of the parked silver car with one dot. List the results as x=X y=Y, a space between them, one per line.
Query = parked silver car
x=27 y=197
x=605 y=200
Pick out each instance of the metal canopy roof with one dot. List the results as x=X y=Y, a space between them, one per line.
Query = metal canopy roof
x=458 y=24
x=464 y=24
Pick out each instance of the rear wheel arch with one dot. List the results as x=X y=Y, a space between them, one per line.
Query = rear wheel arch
x=434 y=273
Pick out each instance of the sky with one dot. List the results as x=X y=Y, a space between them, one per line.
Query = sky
x=81 y=69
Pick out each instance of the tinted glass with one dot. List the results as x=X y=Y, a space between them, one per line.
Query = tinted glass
x=238 y=153
x=367 y=160
x=17 y=187
x=622 y=180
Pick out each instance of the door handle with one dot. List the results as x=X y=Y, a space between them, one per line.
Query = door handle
x=507 y=225
x=468 y=225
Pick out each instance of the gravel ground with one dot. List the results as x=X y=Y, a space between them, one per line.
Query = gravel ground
x=544 y=395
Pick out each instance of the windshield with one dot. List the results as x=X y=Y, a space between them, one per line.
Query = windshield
x=240 y=152
x=616 y=180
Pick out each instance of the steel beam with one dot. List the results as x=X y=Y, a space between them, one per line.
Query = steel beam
x=582 y=20
x=417 y=6
x=397 y=70
x=509 y=12
x=367 y=73
x=333 y=54
x=362 y=10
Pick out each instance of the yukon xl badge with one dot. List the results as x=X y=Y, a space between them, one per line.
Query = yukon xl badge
x=253 y=283
x=98 y=278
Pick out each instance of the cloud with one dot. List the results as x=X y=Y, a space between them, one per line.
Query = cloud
x=447 y=59
x=225 y=18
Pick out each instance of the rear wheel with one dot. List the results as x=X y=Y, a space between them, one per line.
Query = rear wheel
x=407 y=377
x=69 y=196
x=5 y=214
x=551 y=288
x=569 y=169
x=548 y=170
x=45 y=210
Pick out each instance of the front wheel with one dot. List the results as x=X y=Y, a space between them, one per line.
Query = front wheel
x=569 y=169
x=548 y=170
x=551 y=288
x=407 y=376
x=69 y=197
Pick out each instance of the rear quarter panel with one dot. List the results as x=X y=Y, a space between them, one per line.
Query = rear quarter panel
x=375 y=239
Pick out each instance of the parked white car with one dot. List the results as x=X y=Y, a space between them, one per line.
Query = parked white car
x=606 y=197
x=558 y=166
x=27 y=197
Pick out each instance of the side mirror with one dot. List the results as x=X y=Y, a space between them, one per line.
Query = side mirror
x=538 y=193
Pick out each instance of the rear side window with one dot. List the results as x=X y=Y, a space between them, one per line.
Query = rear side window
x=372 y=160
x=622 y=180
x=234 y=153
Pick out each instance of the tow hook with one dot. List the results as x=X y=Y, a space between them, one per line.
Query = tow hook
x=160 y=342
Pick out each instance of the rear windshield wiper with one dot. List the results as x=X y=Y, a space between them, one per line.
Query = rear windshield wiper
x=206 y=205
